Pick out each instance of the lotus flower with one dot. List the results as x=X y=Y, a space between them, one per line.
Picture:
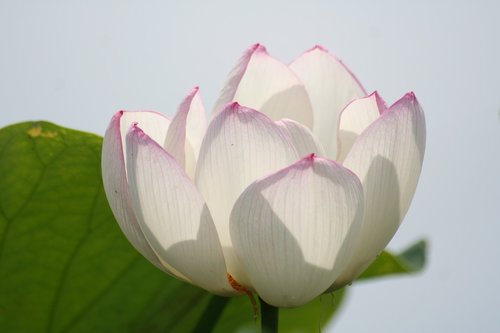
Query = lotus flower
x=295 y=186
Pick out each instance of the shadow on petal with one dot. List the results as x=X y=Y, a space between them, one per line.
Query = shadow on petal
x=292 y=103
x=199 y=259
x=381 y=219
x=283 y=270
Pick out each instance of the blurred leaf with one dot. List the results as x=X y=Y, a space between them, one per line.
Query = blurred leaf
x=411 y=260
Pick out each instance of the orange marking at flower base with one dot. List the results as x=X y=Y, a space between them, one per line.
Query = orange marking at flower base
x=239 y=288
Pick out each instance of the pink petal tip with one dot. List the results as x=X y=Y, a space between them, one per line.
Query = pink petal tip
x=319 y=48
x=408 y=98
x=257 y=48
x=307 y=161
x=233 y=106
x=382 y=105
x=311 y=156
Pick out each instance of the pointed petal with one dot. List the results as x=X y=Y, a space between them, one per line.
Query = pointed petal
x=354 y=119
x=116 y=186
x=330 y=86
x=240 y=146
x=302 y=138
x=176 y=142
x=173 y=215
x=294 y=230
x=153 y=123
x=263 y=83
x=387 y=157
x=196 y=122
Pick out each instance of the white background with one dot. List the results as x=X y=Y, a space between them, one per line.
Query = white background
x=77 y=63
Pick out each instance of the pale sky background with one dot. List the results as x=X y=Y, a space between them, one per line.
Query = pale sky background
x=77 y=62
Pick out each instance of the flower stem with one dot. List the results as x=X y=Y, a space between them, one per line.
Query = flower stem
x=211 y=315
x=269 y=317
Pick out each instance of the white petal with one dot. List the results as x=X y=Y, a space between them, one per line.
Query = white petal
x=294 y=231
x=387 y=157
x=302 y=138
x=176 y=141
x=196 y=122
x=240 y=146
x=330 y=86
x=116 y=186
x=153 y=123
x=263 y=83
x=354 y=119
x=172 y=214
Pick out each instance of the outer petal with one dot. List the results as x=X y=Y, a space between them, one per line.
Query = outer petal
x=330 y=86
x=265 y=84
x=387 y=157
x=354 y=119
x=173 y=215
x=295 y=230
x=115 y=178
x=302 y=138
x=240 y=146
x=176 y=141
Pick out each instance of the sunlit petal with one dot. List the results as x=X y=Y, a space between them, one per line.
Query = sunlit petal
x=176 y=141
x=387 y=157
x=354 y=119
x=173 y=215
x=115 y=179
x=196 y=122
x=240 y=146
x=265 y=84
x=331 y=86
